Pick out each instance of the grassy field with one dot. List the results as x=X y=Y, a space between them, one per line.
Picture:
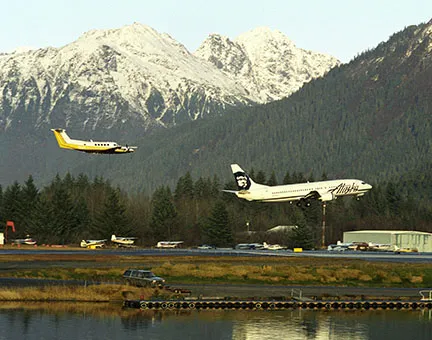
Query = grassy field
x=92 y=293
x=234 y=270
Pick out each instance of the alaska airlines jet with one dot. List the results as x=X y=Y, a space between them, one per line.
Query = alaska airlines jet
x=91 y=146
x=301 y=192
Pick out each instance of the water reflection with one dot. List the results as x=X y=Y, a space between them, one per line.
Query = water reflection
x=110 y=321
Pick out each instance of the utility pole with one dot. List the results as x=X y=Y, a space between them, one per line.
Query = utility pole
x=323 y=224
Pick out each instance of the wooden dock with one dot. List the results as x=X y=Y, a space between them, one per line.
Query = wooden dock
x=275 y=304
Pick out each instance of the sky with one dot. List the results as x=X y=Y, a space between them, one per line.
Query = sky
x=341 y=28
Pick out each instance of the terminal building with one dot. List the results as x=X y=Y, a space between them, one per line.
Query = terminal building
x=395 y=238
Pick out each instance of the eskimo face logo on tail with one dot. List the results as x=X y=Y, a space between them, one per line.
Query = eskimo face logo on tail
x=243 y=181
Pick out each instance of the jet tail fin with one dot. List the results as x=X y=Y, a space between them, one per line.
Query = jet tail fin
x=243 y=180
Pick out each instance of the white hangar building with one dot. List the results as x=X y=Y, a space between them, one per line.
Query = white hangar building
x=399 y=238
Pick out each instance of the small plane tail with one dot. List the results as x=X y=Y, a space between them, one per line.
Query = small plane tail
x=243 y=180
x=63 y=139
x=113 y=237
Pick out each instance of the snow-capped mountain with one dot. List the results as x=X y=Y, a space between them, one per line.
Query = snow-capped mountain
x=138 y=78
x=265 y=62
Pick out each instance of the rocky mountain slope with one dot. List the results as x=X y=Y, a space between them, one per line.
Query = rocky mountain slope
x=265 y=62
x=135 y=79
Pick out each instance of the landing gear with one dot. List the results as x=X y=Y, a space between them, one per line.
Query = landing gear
x=358 y=197
x=305 y=202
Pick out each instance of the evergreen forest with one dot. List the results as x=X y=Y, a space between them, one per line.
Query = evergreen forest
x=196 y=211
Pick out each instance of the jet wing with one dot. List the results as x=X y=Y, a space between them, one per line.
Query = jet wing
x=312 y=195
x=322 y=196
x=231 y=191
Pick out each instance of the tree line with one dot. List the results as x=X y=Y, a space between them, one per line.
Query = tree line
x=70 y=209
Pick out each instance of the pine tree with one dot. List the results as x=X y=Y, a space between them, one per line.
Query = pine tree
x=394 y=198
x=287 y=179
x=82 y=221
x=30 y=200
x=61 y=214
x=272 y=180
x=185 y=204
x=1 y=205
x=184 y=188
x=112 y=219
x=12 y=207
x=217 y=229
x=260 y=177
x=42 y=227
x=163 y=214
x=302 y=237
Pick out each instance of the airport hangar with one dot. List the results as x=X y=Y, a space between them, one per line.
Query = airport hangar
x=400 y=238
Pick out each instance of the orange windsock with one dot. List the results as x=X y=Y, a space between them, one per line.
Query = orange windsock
x=10 y=224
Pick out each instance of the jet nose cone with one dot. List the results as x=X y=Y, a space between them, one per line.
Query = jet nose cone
x=368 y=186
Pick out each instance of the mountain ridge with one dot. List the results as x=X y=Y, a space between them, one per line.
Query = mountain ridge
x=131 y=76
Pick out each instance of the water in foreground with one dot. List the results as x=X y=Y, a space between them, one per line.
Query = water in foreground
x=105 y=321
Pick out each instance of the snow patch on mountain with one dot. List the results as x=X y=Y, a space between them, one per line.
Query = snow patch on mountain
x=266 y=62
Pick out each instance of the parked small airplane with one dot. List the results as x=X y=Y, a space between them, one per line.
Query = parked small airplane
x=169 y=244
x=381 y=247
x=91 y=146
x=301 y=192
x=273 y=246
x=93 y=243
x=29 y=241
x=249 y=246
x=123 y=241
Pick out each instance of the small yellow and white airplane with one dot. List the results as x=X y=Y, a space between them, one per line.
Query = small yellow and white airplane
x=93 y=243
x=90 y=146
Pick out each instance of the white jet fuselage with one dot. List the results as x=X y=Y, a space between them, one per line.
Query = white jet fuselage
x=324 y=191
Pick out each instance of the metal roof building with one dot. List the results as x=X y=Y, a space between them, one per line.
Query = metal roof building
x=397 y=238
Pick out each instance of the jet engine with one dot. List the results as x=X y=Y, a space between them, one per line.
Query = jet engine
x=328 y=196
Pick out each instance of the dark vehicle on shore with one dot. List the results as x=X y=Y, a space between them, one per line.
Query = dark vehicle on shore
x=143 y=278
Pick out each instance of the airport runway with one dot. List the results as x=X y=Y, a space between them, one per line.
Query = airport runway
x=367 y=256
